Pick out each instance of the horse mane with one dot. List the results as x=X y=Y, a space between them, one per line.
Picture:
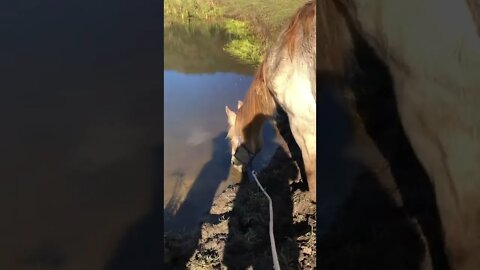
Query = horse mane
x=258 y=102
x=335 y=43
x=303 y=19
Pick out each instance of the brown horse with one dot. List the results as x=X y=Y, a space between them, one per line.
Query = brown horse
x=285 y=78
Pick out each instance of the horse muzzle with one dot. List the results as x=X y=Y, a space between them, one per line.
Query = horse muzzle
x=237 y=164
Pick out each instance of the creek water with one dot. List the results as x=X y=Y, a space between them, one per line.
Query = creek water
x=200 y=79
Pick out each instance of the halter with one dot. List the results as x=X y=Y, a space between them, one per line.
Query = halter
x=247 y=164
x=237 y=157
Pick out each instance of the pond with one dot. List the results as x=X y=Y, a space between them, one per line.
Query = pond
x=199 y=80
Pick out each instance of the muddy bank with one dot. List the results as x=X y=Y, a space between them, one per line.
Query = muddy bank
x=235 y=233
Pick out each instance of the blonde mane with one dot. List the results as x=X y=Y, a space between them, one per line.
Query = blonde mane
x=303 y=19
x=257 y=106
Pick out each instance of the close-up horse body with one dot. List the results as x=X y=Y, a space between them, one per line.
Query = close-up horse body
x=286 y=78
x=432 y=49
x=434 y=62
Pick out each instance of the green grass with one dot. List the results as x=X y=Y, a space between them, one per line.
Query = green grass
x=244 y=45
x=238 y=28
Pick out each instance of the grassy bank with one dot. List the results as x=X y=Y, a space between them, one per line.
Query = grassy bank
x=265 y=18
x=244 y=46
x=254 y=25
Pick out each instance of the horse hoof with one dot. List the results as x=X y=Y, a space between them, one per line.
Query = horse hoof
x=313 y=197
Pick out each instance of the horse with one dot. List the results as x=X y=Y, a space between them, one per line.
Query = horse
x=432 y=50
x=285 y=78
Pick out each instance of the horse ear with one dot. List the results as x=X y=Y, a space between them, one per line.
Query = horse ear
x=230 y=116
x=240 y=104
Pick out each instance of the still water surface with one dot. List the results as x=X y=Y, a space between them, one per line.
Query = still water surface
x=200 y=79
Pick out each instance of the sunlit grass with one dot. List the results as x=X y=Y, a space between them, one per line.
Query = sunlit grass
x=244 y=45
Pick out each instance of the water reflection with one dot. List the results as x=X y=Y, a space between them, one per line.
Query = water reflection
x=198 y=49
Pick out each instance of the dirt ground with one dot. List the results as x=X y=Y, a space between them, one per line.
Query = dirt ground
x=235 y=233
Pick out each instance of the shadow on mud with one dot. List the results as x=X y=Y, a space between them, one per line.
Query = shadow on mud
x=142 y=246
x=248 y=242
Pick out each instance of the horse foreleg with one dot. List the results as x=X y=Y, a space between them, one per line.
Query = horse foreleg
x=306 y=140
x=311 y=172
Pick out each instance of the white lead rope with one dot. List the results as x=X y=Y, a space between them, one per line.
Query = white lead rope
x=276 y=265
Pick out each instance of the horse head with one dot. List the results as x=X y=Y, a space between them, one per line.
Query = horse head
x=242 y=150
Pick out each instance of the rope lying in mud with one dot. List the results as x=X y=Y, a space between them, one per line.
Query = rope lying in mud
x=276 y=265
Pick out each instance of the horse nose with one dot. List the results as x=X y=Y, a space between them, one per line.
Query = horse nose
x=237 y=164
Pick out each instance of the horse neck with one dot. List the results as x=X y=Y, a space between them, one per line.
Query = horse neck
x=258 y=107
